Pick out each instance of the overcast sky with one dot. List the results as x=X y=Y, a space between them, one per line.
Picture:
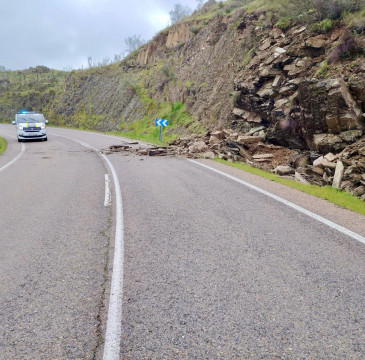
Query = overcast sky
x=61 y=34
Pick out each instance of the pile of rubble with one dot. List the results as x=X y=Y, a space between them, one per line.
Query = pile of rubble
x=344 y=170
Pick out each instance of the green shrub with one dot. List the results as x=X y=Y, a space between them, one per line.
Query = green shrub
x=168 y=72
x=322 y=27
x=2 y=144
x=323 y=69
x=195 y=28
x=283 y=23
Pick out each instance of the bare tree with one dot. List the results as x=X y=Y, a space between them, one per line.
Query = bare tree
x=179 y=12
x=90 y=61
x=133 y=43
x=118 y=57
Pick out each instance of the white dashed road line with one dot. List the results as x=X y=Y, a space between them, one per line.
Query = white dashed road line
x=114 y=322
x=107 y=198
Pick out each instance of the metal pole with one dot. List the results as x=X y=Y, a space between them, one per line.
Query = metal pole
x=160 y=137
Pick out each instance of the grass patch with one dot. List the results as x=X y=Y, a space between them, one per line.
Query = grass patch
x=328 y=193
x=2 y=145
x=322 y=71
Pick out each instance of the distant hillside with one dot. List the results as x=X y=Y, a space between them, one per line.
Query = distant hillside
x=293 y=70
x=32 y=89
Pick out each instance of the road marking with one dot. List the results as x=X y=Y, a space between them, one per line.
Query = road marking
x=107 y=198
x=288 y=203
x=114 y=322
x=16 y=157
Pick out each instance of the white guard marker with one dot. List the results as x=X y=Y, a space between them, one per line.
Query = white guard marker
x=107 y=200
x=290 y=204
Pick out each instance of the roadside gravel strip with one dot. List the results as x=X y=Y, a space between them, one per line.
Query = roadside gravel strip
x=113 y=330
x=290 y=204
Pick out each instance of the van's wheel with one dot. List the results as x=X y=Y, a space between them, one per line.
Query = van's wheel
x=45 y=139
x=19 y=140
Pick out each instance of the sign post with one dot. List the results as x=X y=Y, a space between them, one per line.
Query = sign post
x=161 y=123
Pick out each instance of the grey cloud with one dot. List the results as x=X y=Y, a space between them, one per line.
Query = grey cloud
x=62 y=34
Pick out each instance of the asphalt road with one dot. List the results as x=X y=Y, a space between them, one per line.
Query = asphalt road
x=212 y=269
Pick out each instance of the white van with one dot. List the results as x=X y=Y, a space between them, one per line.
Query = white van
x=30 y=125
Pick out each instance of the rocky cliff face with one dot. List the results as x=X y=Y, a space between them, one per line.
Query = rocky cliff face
x=283 y=89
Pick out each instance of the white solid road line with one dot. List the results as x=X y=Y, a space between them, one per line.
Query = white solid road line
x=16 y=158
x=288 y=203
x=114 y=322
x=107 y=198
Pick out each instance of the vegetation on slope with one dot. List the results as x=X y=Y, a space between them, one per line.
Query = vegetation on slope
x=2 y=145
x=31 y=89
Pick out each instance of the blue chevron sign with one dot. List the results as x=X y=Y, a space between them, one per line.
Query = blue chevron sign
x=161 y=122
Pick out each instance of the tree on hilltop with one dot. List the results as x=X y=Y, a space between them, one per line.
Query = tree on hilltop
x=179 y=12
x=133 y=43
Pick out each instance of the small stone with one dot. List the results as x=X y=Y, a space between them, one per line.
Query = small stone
x=262 y=156
x=330 y=157
x=198 y=147
x=318 y=170
x=284 y=170
x=359 y=191
x=300 y=178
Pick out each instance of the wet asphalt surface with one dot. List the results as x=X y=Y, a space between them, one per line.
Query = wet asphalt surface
x=53 y=250
x=212 y=269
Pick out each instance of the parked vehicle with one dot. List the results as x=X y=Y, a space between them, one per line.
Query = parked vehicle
x=30 y=125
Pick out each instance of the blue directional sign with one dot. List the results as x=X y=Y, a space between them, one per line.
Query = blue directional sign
x=161 y=122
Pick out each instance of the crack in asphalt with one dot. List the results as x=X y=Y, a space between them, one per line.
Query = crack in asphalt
x=99 y=332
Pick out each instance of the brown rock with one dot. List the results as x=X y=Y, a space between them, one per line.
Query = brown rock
x=316 y=42
x=208 y=155
x=327 y=142
x=262 y=156
x=359 y=191
x=300 y=30
x=178 y=34
x=243 y=139
x=318 y=170
x=300 y=178
x=277 y=81
x=283 y=170
x=219 y=134
x=341 y=119
x=330 y=157
x=198 y=147
x=266 y=44
x=277 y=33
x=238 y=112
x=322 y=162
x=213 y=140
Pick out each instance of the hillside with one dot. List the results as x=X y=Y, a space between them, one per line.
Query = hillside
x=283 y=77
